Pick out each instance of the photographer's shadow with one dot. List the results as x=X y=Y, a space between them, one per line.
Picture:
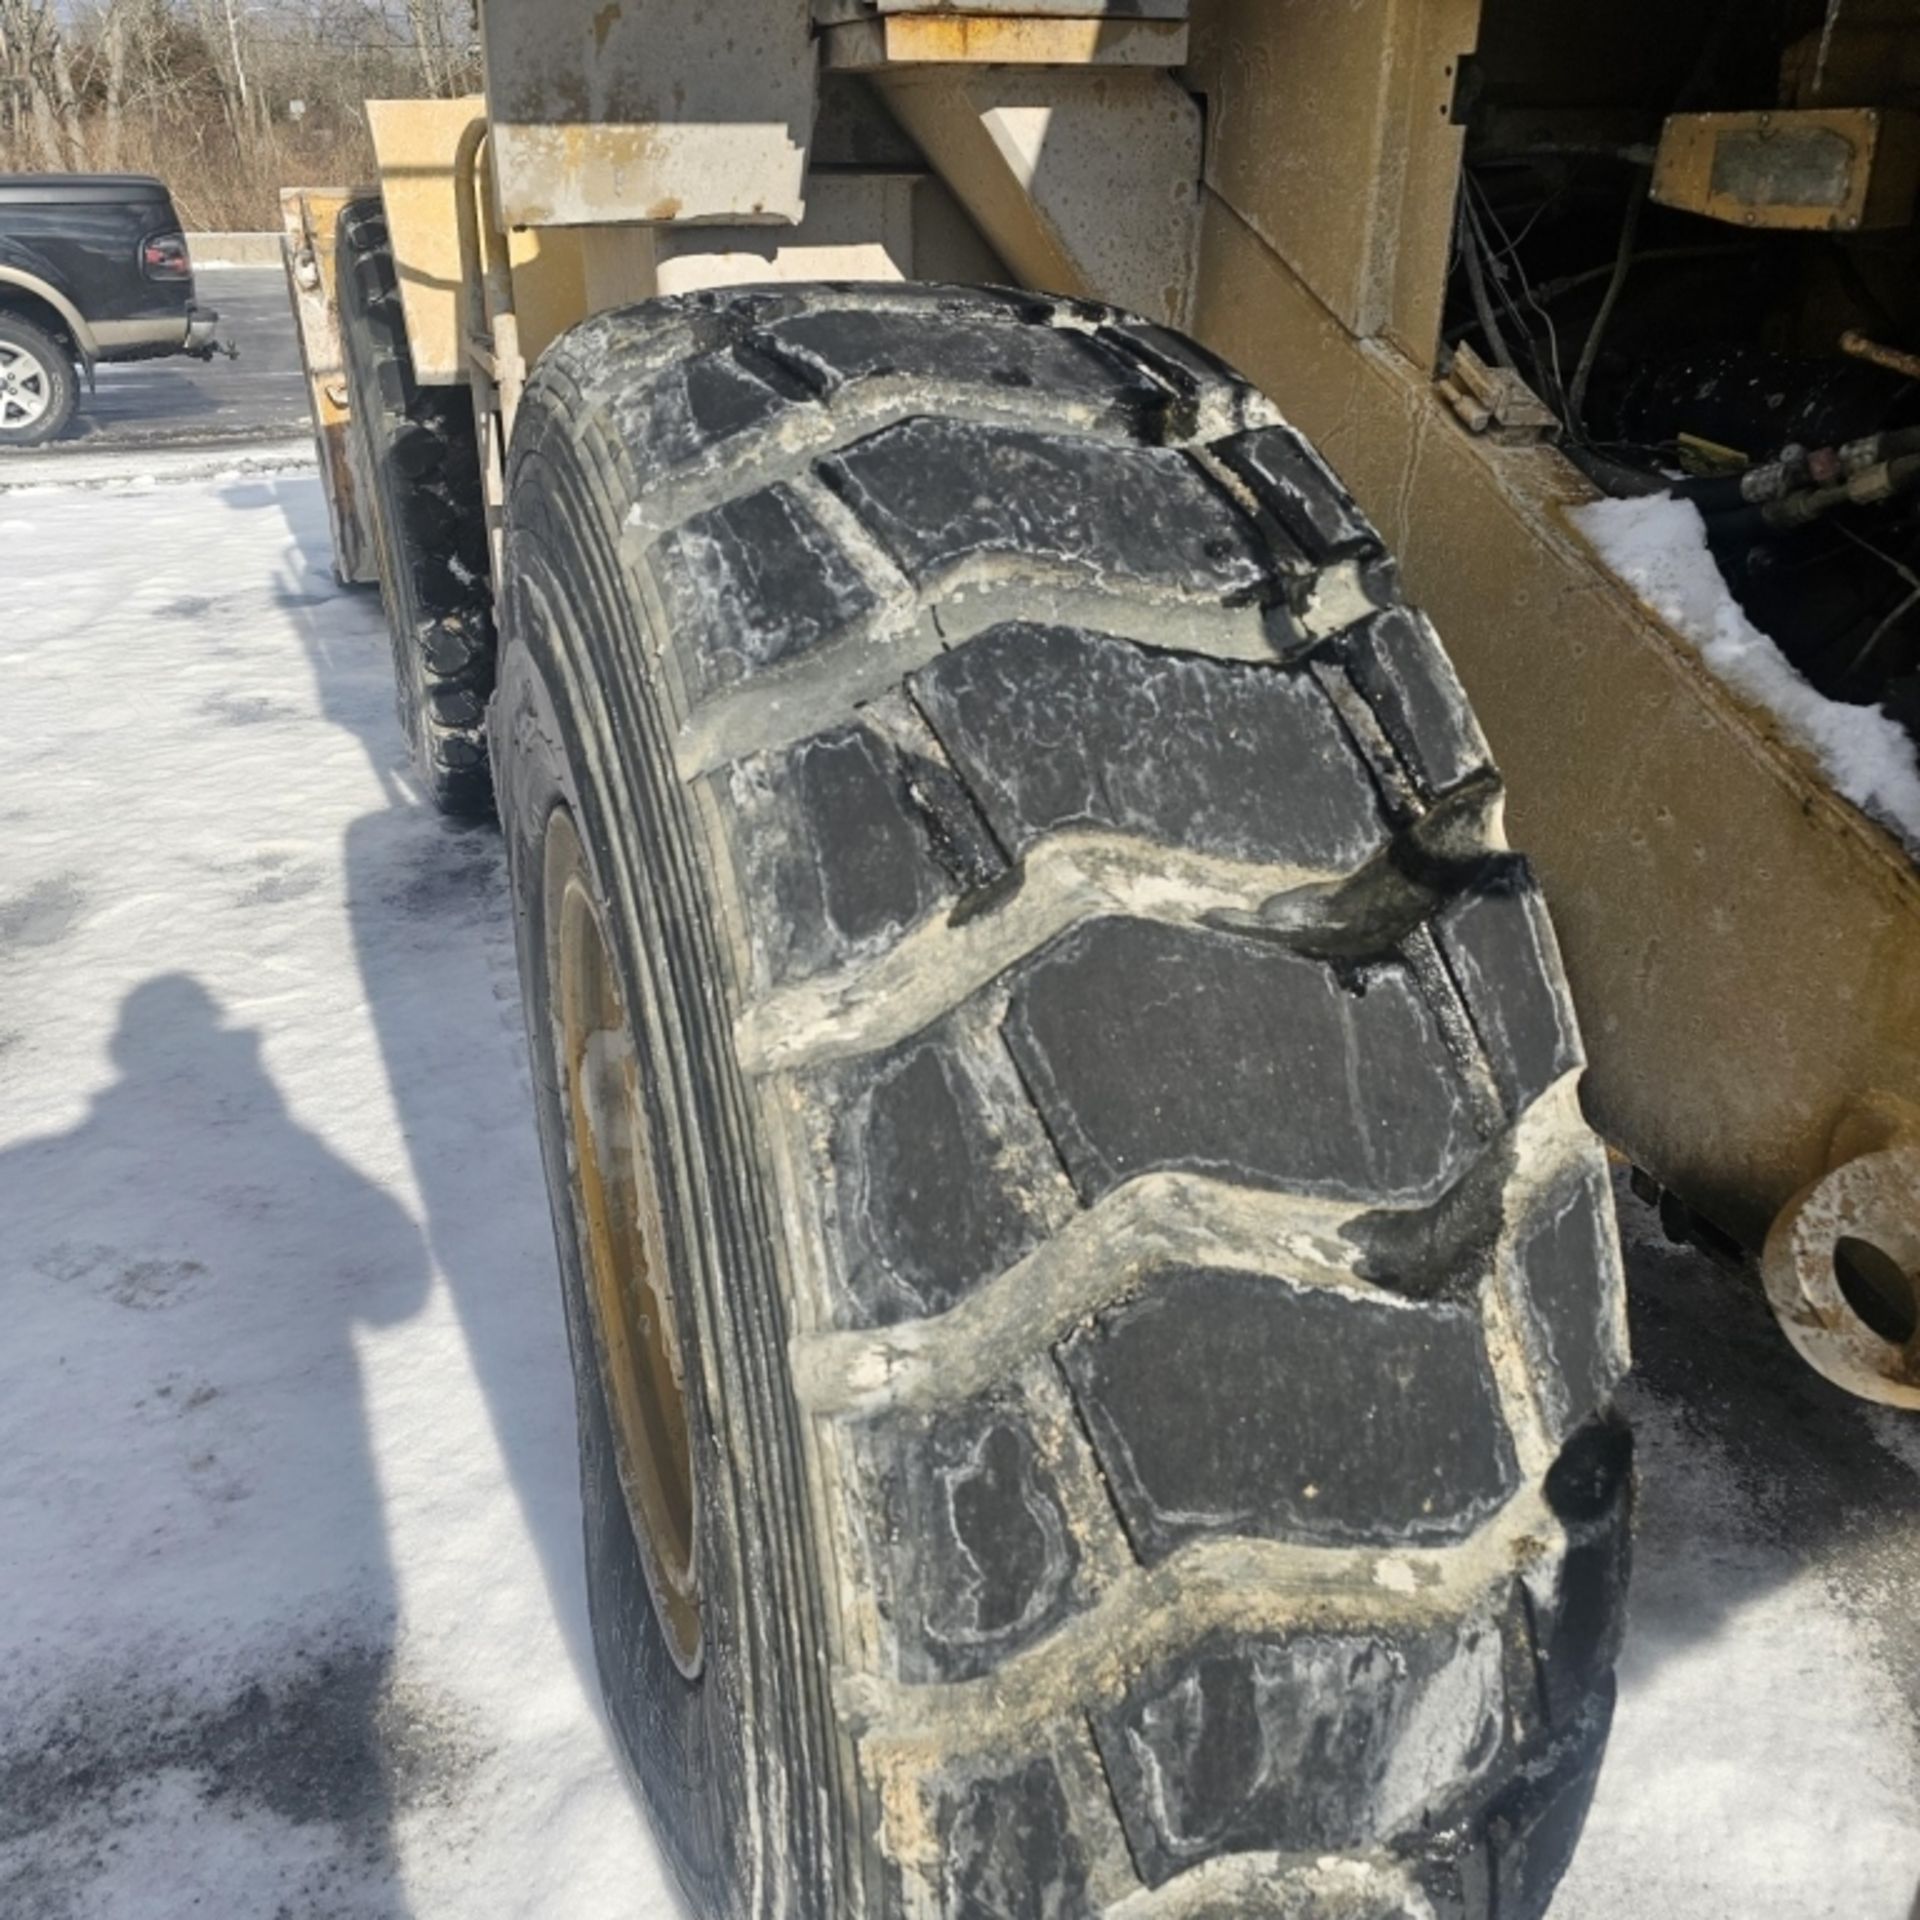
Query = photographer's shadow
x=186 y=1271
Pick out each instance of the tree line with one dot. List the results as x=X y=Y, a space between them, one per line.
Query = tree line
x=226 y=100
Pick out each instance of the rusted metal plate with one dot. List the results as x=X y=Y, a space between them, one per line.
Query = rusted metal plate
x=1826 y=169
x=605 y=112
x=414 y=143
x=308 y=216
x=945 y=38
x=832 y=12
x=1739 y=939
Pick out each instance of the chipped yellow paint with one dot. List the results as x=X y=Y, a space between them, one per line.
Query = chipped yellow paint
x=1818 y=169
x=947 y=39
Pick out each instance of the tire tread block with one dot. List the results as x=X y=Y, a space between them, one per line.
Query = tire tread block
x=1566 y=1260
x=937 y=1176
x=1580 y=1616
x=687 y=414
x=1151 y=1046
x=1502 y=950
x=756 y=582
x=949 y=350
x=981 y=1555
x=937 y=492
x=1336 y=1419
x=850 y=843
x=1010 y=1850
x=1299 y=489
x=1316 y=1742
x=1054 y=729
x=1402 y=672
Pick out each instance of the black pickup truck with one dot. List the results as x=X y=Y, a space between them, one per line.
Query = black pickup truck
x=93 y=267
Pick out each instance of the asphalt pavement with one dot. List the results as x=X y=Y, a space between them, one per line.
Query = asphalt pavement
x=178 y=402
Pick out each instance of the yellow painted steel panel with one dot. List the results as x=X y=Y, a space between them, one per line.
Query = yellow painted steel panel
x=654 y=112
x=1330 y=129
x=309 y=216
x=414 y=142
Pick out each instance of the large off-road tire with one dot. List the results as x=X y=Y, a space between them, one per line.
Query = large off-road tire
x=38 y=390
x=1094 y=1306
x=415 y=454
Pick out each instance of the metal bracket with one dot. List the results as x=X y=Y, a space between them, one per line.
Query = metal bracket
x=1494 y=401
x=1842 y=1260
x=1086 y=182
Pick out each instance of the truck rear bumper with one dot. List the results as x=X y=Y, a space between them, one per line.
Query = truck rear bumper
x=153 y=339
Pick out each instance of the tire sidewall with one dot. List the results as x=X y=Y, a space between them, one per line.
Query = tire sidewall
x=66 y=393
x=680 y=1739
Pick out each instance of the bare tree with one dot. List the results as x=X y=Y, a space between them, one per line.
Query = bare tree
x=423 y=18
x=37 y=76
x=113 y=57
x=202 y=92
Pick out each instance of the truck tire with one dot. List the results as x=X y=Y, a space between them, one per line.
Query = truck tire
x=38 y=391
x=1094 y=1307
x=415 y=453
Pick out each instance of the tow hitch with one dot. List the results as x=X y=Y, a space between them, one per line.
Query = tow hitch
x=203 y=341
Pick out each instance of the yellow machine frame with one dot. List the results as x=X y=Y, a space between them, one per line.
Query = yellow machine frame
x=1740 y=940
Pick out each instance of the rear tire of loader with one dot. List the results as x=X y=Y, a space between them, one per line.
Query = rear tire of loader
x=416 y=450
x=1094 y=1308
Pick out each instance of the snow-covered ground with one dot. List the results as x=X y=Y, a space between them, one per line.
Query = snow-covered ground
x=291 y=1621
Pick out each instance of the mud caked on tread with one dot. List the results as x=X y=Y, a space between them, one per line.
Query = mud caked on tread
x=1153 y=1299
x=415 y=452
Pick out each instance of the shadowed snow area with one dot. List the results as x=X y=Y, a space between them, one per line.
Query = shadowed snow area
x=291 y=1617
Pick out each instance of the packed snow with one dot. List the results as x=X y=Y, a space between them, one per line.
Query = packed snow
x=291 y=1615
x=291 y=1612
x=1658 y=546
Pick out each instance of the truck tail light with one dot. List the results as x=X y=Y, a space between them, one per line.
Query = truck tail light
x=165 y=257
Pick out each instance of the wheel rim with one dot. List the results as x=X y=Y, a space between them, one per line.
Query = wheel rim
x=26 y=387
x=622 y=1246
